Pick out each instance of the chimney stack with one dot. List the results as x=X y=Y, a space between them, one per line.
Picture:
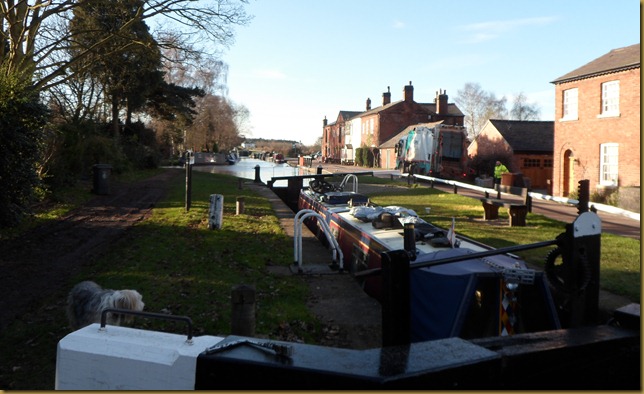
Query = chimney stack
x=368 y=103
x=408 y=93
x=324 y=122
x=386 y=97
x=441 y=102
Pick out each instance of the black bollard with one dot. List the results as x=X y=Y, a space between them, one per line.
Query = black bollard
x=319 y=170
x=396 y=303
x=257 y=178
x=409 y=240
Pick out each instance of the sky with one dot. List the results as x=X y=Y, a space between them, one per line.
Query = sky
x=299 y=61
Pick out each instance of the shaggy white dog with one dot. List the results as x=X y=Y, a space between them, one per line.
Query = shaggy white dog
x=87 y=300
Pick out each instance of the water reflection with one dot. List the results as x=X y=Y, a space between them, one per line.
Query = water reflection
x=245 y=168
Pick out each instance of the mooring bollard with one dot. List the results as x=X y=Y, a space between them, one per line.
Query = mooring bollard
x=257 y=178
x=240 y=205
x=319 y=170
x=243 y=312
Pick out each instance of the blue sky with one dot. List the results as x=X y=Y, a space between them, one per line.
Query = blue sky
x=299 y=61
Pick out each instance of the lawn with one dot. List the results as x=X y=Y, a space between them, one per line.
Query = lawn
x=184 y=268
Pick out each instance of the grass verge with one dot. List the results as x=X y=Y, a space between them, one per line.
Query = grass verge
x=183 y=268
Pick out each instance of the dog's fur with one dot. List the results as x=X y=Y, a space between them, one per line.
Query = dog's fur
x=87 y=300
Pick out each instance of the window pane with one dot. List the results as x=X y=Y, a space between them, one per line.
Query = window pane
x=570 y=104
x=609 y=164
x=610 y=97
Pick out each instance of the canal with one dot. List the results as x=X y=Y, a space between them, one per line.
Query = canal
x=245 y=168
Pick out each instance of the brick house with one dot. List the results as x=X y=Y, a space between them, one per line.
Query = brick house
x=374 y=126
x=334 y=134
x=524 y=146
x=597 y=125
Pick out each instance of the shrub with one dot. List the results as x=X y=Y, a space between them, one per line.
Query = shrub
x=22 y=122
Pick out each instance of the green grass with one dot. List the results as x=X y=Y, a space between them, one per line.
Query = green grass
x=620 y=256
x=182 y=267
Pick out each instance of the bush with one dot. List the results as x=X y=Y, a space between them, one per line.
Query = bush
x=359 y=157
x=22 y=122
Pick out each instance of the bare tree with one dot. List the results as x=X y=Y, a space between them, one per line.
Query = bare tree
x=31 y=34
x=479 y=106
x=522 y=109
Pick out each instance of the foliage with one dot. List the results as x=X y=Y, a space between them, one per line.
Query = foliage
x=22 y=122
x=365 y=153
x=483 y=164
x=123 y=55
x=86 y=56
x=359 y=157
x=42 y=26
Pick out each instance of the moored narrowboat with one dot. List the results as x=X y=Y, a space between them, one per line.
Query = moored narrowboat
x=470 y=298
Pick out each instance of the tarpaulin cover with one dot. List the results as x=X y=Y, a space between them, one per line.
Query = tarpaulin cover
x=441 y=295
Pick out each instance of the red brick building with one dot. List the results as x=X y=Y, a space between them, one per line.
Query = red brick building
x=597 y=125
x=524 y=146
x=374 y=126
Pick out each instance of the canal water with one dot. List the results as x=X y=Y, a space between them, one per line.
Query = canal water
x=245 y=168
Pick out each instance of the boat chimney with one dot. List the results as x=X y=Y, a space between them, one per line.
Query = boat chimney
x=409 y=240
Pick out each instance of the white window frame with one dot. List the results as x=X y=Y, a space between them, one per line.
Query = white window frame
x=610 y=99
x=609 y=164
x=570 y=104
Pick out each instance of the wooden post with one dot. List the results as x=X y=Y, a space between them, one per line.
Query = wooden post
x=240 y=205
x=188 y=182
x=243 y=312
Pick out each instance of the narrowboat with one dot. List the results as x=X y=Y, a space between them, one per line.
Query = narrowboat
x=497 y=294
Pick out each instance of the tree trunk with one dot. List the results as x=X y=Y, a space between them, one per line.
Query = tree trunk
x=115 y=117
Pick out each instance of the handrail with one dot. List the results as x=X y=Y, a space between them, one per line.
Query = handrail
x=540 y=196
x=286 y=177
x=428 y=260
x=346 y=179
x=152 y=315
x=297 y=238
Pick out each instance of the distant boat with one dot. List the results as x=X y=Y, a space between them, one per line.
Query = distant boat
x=232 y=158
x=279 y=158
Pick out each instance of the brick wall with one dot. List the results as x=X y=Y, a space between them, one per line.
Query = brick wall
x=584 y=136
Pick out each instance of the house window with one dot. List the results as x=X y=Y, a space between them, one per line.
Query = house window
x=610 y=98
x=570 y=104
x=608 y=164
x=547 y=163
